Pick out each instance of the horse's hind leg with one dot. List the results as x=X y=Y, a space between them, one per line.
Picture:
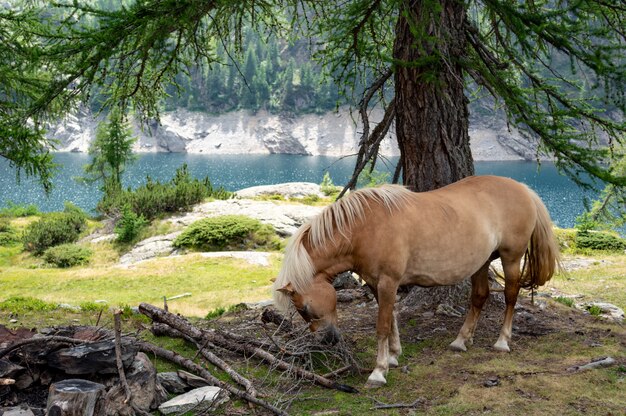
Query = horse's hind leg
x=480 y=293
x=511 y=290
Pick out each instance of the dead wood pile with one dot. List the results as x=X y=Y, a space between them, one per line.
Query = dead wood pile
x=107 y=372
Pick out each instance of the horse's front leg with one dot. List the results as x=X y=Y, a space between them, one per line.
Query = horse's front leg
x=395 y=348
x=386 y=291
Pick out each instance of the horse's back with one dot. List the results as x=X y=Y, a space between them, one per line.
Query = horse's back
x=441 y=236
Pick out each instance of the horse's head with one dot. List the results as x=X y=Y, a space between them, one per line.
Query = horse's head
x=318 y=307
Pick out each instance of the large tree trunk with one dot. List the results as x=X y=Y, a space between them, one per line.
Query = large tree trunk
x=431 y=115
x=431 y=108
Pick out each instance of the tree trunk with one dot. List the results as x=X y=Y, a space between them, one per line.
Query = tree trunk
x=432 y=114
x=431 y=108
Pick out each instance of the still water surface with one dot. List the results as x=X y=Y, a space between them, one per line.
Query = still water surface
x=562 y=197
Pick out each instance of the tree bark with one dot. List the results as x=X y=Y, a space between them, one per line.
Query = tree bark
x=432 y=117
x=431 y=107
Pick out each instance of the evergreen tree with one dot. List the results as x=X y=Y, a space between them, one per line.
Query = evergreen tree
x=415 y=56
x=110 y=152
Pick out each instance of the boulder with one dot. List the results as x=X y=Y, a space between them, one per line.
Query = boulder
x=160 y=245
x=146 y=391
x=285 y=218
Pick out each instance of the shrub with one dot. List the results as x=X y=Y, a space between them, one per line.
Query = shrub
x=155 y=198
x=327 y=186
x=226 y=232
x=8 y=234
x=21 y=304
x=54 y=229
x=129 y=225
x=16 y=210
x=599 y=240
x=67 y=255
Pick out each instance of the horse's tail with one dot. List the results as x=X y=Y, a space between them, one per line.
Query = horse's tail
x=542 y=258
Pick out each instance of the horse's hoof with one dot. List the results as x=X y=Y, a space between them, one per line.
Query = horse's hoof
x=393 y=362
x=458 y=346
x=374 y=384
x=502 y=347
x=375 y=380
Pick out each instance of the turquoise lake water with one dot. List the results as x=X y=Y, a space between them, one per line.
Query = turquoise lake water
x=562 y=197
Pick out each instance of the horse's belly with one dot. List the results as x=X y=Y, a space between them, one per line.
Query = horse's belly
x=440 y=274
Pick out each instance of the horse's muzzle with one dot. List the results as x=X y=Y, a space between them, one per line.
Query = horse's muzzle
x=330 y=335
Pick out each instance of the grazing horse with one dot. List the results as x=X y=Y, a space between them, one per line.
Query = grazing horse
x=391 y=236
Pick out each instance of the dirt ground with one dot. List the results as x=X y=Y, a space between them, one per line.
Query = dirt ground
x=538 y=377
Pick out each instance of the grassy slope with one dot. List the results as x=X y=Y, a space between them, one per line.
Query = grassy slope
x=533 y=379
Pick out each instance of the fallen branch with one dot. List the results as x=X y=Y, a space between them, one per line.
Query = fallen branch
x=381 y=405
x=182 y=325
x=118 y=355
x=605 y=362
x=269 y=315
x=159 y=329
x=175 y=358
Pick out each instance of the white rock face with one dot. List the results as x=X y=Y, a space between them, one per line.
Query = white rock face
x=285 y=218
x=241 y=132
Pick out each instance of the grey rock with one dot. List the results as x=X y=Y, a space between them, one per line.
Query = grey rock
x=285 y=218
x=199 y=400
x=239 y=132
x=172 y=382
x=149 y=248
x=16 y=411
x=609 y=311
x=144 y=387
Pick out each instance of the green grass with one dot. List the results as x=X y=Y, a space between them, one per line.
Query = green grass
x=603 y=281
x=213 y=283
x=565 y=301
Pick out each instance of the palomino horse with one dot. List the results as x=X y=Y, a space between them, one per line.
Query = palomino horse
x=391 y=236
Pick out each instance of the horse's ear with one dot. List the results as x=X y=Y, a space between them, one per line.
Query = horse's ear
x=287 y=290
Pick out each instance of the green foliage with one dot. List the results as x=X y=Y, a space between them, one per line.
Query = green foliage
x=594 y=310
x=227 y=232
x=311 y=199
x=607 y=211
x=599 y=240
x=129 y=225
x=8 y=234
x=67 y=255
x=215 y=313
x=371 y=177
x=327 y=186
x=14 y=210
x=219 y=311
x=155 y=198
x=565 y=301
x=54 y=229
x=91 y=306
x=21 y=304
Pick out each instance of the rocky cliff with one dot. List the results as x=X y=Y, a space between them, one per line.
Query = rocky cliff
x=240 y=132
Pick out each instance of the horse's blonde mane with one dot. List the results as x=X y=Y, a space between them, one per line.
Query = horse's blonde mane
x=336 y=219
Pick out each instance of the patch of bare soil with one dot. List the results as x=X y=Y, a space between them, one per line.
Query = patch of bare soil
x=432 y=328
